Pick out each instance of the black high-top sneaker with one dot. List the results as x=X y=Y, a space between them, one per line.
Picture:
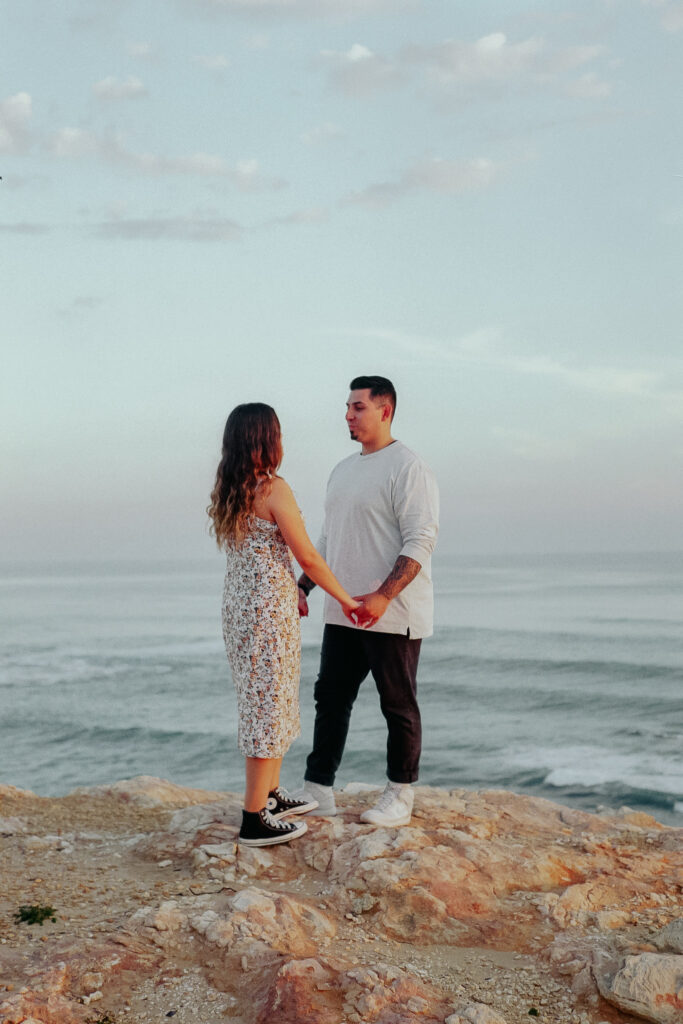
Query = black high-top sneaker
x=260 y=828
x=281 y=803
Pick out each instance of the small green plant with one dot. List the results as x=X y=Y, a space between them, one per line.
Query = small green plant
x=35 y=914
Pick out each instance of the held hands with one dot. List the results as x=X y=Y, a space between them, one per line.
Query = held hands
x=303 y=604
x=370 y=610
x=350 y=609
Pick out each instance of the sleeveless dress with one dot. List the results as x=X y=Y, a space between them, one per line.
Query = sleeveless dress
x=262 y=638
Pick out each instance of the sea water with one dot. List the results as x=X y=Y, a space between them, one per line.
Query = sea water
x=558 y=676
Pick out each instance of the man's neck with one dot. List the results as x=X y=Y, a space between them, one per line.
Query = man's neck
x=369 y=447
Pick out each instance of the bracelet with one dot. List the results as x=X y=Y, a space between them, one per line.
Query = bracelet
x=302 y=588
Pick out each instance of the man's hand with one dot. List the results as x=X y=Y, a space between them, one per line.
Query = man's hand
x=303 y=604
x=372 y=608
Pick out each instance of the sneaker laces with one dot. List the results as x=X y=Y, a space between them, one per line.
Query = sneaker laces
x=387 y=798
x=268 y=819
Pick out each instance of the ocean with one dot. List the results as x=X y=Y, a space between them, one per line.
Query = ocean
x=557 y=676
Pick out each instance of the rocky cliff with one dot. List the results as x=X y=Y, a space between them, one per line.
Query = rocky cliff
x=490 y=908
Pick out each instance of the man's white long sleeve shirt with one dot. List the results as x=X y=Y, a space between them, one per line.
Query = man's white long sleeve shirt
x=379 y=506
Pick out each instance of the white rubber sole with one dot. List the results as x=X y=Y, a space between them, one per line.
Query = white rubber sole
x=304 y=809
x=275 y=839
x=384 y=822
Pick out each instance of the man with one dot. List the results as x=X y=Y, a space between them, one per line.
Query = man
x=381 y=522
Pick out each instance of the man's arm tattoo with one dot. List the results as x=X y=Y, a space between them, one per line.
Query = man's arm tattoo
x=306 y=583
x=405 y=570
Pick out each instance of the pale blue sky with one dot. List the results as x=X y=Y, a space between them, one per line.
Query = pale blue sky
x=213 y=201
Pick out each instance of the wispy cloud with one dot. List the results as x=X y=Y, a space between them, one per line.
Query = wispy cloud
x=319 y=8
x=359 y=71
x=309 y=215
x=140 y=50
x=325 y=132
x=24 y=228
x=589 y=87
x=76 y=143
x=493 y=65
x=216 y=62
x=670 y=13
x=181 y=229
x=455 y=69
x=15 y=117
x=112 y=88
x=450 y=177
x=80 y=304
x=486 y=348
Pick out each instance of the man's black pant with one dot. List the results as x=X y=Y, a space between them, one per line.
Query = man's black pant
x=346 y=657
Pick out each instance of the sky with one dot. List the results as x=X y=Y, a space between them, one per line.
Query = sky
x=208 y=202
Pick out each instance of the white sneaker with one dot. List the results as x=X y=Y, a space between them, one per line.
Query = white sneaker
x=323 y=795
x=394 y=807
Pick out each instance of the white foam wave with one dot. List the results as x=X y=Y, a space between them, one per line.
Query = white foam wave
x=595 y=766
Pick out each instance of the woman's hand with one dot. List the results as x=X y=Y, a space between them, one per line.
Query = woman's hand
x=350 y=608
x=303 y=604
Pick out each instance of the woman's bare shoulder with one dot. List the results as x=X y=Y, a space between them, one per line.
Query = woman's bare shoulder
x=280 y=489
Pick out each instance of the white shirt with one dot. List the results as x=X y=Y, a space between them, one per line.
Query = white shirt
x=379 y=506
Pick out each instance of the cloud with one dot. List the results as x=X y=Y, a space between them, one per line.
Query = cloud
x=309 y=215
x=115 y=89
x=589 y=86
x=217 y=62
x=455 y=69
x=76 y=143
x=322 y=133
x=670 y=13
x=100 y=15
x=15 y=115
x=359 y=71
x=319 y=8
x=449 y=177
x=24 y=228
x=181 y=229
x=485 y=348
x=140 y=51
x=80 y=304
x=493 y=64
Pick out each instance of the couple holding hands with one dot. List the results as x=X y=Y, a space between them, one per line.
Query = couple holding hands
x=381 y=522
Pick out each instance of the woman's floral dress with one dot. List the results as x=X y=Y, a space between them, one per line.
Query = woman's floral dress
x=263 y=640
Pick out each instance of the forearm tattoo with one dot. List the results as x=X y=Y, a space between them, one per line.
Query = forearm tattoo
x=306 y=583
x=405 y=570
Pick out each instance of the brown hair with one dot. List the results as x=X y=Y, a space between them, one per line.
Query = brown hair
x=252 y=450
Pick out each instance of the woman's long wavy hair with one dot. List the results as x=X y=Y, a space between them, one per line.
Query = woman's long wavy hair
x=252 y=450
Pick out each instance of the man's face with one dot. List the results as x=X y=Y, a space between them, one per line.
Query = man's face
x=364 y=416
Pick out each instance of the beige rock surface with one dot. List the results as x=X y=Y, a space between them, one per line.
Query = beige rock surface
x=488 y=906
x=649 y=985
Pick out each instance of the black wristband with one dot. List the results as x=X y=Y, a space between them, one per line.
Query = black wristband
x=305 y=590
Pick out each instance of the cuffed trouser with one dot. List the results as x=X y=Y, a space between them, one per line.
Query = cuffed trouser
x=346 y=657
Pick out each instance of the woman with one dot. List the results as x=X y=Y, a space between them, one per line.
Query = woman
x=255 y=519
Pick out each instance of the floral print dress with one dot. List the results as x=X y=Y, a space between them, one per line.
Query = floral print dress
x=263 y=640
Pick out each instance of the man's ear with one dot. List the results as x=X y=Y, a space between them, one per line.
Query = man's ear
x=386 y=412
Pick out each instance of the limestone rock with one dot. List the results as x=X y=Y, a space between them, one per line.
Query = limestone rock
x=670 y=938
x=158 y=906
x=149 y=791
x=16 y=794
x=649 y=985
x=316 y=991
x=475 y=1013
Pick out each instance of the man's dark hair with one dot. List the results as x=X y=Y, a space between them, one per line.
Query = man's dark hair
x=380 y=387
